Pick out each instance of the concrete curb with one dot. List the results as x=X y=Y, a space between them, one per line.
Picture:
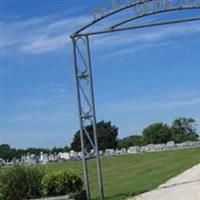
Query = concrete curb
x=76 y=196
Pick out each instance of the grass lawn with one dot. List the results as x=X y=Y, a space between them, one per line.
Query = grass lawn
x=129 y=175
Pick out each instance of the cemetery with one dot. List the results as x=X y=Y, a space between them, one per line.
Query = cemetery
x=98 y=164
x=131 y=174
x=32 y=159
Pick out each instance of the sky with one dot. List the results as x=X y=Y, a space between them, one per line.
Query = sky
x=140 y=77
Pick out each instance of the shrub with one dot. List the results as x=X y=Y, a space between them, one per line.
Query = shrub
x=60 y=183
x=18 y=183
x=21 y=183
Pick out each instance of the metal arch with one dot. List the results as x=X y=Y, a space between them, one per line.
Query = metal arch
x=83 y=72
x=179 y=5
x=143 y=26
x=149 y=14
x=108 y=15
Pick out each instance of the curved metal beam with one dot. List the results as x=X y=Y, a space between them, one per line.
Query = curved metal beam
x=142 y=26
x=134 y=4
x=108 y=15
x=150 y=14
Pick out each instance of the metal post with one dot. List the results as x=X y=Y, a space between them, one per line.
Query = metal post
x=99 y=170
x=86 y=106
x=85 y=168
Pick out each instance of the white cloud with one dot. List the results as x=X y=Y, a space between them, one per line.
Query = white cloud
x=145 y=37
x=149 y=104
x=44 y=44
x=135 y=49
x=51 y=33
x=38 y=35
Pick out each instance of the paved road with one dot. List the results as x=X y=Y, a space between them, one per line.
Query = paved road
x=185 y=186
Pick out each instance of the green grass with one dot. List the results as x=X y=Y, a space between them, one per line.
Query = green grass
x=129 y=175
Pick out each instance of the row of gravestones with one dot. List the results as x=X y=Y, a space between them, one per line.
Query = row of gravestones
x=160 y=147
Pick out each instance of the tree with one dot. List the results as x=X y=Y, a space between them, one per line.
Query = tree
x=4 y=147
x=183 y=129
x=157 y=133
x=67 y=149
x=106 y=135
x=133 y=140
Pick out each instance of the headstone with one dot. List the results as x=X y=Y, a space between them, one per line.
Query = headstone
x=170 y=144
x=109 y=152
x=144 y=149
x=64 y=156
x=151 y=147
x=133 y=149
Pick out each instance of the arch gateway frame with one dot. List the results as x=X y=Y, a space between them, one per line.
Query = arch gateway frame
x=82 y=60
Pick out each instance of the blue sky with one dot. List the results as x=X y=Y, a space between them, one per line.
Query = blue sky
x=140 y=77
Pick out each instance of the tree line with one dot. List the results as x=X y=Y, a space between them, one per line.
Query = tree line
x=181 y=130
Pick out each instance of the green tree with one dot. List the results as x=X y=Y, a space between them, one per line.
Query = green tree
x=183 y=129
x=133 y=140
x=66 y=149
x=6 y=152
x=157 y=133
x=106 y=135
